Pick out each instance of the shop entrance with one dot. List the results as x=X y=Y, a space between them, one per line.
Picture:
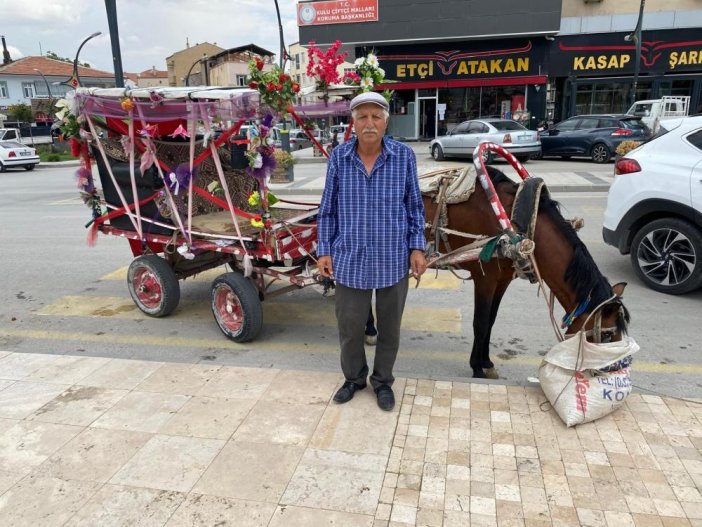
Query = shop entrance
x=427 y=118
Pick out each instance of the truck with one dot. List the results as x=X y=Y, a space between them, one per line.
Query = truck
x=652 y=111
x=28 y=136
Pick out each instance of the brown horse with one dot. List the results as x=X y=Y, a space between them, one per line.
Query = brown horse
x=564 y=263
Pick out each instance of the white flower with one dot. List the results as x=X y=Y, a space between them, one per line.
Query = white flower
x=258 y=161
x=366 y=83
x=372 y=60
x=64 y=109
x=381 y=71
x=358 y=61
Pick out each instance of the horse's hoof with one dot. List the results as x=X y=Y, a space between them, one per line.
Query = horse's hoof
x=491 y=373
x=371 y=340
x=478 y=373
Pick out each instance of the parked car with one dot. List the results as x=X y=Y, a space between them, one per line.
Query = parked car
x=14 y=154
x=299 y=139
x=462 y=140
x=593 y=136
x=340 y=131
x=654 y=207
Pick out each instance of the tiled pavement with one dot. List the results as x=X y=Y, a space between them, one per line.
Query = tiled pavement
x=101 y=442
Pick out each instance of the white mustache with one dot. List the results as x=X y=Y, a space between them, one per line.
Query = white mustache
x=369 y=131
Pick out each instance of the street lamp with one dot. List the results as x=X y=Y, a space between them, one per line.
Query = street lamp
x=187 y=77
x=74 y=81
x=636 y=37
x=48 y=89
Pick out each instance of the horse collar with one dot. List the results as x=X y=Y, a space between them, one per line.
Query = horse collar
x=569 y=318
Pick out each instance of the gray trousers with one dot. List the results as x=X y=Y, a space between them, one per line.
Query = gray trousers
x=352 y=307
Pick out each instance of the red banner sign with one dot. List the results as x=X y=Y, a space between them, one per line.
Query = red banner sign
x=336 y=12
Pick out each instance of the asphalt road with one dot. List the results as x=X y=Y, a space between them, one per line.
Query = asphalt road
x=60 y=296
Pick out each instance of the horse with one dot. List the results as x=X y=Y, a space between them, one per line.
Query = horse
x=562 y=259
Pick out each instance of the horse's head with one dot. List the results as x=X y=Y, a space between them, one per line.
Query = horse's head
x=606 y=322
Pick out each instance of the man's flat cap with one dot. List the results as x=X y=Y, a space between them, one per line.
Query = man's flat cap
x=369 y=97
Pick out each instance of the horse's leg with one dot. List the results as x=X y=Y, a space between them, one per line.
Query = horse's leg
x=483 y=292
x=487 y=365
x=371 y=336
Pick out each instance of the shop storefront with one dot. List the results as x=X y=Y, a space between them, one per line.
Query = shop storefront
x=438 y=86
x=594 y=73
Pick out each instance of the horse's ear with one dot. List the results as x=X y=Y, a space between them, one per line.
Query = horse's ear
x=618 y=289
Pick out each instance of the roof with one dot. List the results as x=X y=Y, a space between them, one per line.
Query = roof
x=153 y=73
x=253 y=48
x=50 y=67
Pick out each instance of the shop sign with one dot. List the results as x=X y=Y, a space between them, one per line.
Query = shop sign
x=667 y=51
x=507 y=61
x=336 y=12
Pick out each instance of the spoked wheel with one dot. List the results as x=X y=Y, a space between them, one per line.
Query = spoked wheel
x=600 y=153
x=667 y=256
x=153 y=285
x=237 y=307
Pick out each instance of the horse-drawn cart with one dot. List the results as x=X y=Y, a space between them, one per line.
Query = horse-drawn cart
x=176 y=188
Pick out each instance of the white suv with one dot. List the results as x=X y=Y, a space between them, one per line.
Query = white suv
x=654 y=207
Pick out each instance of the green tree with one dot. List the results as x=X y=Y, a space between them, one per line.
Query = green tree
x=21 y=112
x=54 y=56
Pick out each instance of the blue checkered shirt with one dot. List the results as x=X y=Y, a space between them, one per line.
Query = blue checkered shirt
x=370 y=223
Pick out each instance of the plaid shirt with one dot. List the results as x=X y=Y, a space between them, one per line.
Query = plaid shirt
x=370 y=223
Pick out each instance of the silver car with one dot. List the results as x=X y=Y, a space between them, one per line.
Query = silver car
x=462 y=140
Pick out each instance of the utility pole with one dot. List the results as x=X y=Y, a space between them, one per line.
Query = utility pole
x=111 y=8
x=636 y=37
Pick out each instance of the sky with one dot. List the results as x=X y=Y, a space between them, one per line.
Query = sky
x=149 y=30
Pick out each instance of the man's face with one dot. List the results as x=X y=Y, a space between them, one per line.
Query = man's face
x=369 y=124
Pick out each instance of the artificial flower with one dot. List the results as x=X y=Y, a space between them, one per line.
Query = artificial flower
x=127 y=104
x=366 y=83
x=257 y=222
x=180 y=132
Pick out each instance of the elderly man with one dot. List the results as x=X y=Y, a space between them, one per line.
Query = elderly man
x=370 y=231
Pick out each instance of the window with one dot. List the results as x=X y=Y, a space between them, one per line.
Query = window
x=589 y=124
x=28 y=90
x=695 y=140
x=297 y=61
x=4 y=94
x=241 y=80
x=568 y=125
x=477 y=128
x=461 y=129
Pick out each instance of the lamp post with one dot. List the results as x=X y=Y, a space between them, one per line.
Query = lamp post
x=187 y=76
x=636 y=37
x=74 y=81
x=48 y=88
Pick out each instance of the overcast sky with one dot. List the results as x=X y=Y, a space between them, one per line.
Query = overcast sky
x=150 y=30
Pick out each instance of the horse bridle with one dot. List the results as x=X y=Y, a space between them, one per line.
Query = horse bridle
x=598 y=333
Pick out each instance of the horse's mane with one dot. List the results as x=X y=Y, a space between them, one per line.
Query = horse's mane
x=582 y=274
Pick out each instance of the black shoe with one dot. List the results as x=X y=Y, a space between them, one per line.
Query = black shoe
x=386 y=399
x=345 y=393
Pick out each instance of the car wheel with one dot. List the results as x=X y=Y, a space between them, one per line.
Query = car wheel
x=600 y=153
x=2 y=168
x=667 y=256
x=437 y=153
x=29 y=167
x=523 y=158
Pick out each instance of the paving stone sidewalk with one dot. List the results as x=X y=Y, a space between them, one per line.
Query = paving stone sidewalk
x=100 y=442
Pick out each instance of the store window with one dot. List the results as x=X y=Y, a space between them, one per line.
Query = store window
x=676 y=88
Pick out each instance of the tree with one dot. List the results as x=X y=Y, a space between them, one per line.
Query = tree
x=21 y=113
x=54 y=56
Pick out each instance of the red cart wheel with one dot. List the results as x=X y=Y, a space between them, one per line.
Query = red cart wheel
x=236 y=307
x=153 y=285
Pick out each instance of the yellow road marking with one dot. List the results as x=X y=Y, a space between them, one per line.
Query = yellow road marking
x=439 y=319
x=431 y=280
x=297 y=347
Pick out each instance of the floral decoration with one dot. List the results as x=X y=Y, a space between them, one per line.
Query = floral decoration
x=627 y=146
x=260 y=152
x=66 y=114
x=262 y=219
x=275 y=87
x=370 y=73
x=322 y=65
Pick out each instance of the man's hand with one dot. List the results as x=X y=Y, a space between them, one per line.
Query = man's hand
x=324 y=264
x=418 y=263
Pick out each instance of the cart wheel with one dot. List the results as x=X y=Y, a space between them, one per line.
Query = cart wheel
x=153 y=285
x=236 y=307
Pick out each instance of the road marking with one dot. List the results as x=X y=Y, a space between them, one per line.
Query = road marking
x=428 y=352
x=430 y=280
x=430 y=319
x=67 y=201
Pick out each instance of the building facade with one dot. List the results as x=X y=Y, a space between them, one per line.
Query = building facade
x=189 y=64
x=231 y=67
x=35 y=80
x=544 y=60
